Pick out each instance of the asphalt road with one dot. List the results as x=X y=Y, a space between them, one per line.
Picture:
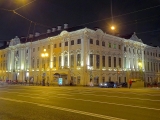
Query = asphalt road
x=78 y=103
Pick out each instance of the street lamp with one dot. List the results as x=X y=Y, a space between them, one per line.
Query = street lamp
x=140 y=66
x=44 y=55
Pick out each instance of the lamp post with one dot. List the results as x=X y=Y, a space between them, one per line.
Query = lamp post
x=140 y=66
x=44 y=55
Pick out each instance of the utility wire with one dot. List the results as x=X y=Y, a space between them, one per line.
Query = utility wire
x=121 y=15
x=24 y=5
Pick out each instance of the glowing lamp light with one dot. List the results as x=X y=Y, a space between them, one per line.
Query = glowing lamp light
x=112 y=28
x=140 y=64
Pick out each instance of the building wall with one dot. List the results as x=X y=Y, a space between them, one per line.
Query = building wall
x=24 y=62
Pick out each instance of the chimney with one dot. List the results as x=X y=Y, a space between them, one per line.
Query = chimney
x=53 y=29
x=59 y=28
x=65 y=26
x=37 y=34
x=48 y=31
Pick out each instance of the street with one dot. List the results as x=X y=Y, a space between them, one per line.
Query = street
x=19 y=102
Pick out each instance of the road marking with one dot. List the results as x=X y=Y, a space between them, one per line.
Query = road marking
x=65 y=109
x=111 y=103
x=87 y=94
x=32 y=97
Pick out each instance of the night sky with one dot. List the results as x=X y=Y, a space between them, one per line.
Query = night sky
x=140 y=16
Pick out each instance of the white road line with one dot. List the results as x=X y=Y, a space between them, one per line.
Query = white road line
x=65 y=109
x=149 y=108
x=66 y=94
x=111 y=103
x=33 y=97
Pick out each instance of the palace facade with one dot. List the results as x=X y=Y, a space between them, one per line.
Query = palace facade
x=79 y=56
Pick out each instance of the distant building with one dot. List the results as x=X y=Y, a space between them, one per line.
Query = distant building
x=79 y=56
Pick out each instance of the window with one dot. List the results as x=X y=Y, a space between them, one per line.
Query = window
x=148 y=66
x=66 y=43
x=72 y=42
x=103 y=43
x=66 y=60
x=125 y=49
x=119 y=47
x=124 y=62
x=27 y=51
x=97 y=42
x=78 y=59
x=91 y=41
x=72 y=60
x=91 y=59
x=59 y=44
x=109 y=45
x=103 y=61
x=59 y=61
x=109 y=61
x=33 y=63
x=114 y=46
x=79 y=41
x=54 y=61
x=115 y=62
x=120 y=65
x=37 y=63
x=97 y=61
x=55 y=45
x=129 y=50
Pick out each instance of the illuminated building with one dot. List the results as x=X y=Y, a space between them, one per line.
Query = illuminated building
x=79 y=55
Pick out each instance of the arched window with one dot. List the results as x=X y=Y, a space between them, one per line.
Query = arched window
x=97 y=42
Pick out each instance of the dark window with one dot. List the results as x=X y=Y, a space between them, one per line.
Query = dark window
x=72 y=60
x=91 y=59
x=97 y=42
x=37 y=63
x=59 y=61
x=124 y=49
x=72 y=42
x=78 y=59
x=109 y=61
x=59 y=44
x=120 y=62
x=54 y=61
x=103 y=43
x=119 y=47
x=115 y=62
x=103 y=61
x=66 y=43
x=109 y=45
x=55 y=45
x=91 y=41
x=97 y=61
x=79 y=41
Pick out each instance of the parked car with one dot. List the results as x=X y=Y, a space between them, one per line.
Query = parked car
x=123 y=84
x=107 y=85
